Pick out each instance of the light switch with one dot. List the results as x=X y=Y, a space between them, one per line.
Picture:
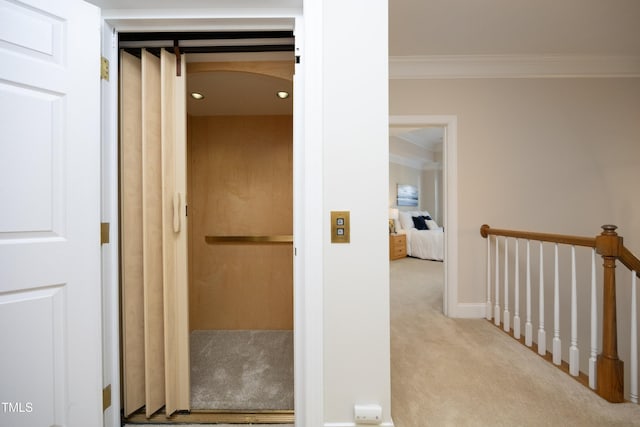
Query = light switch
x=340 y=227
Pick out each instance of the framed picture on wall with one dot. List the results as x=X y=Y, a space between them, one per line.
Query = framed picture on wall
x=407 y=195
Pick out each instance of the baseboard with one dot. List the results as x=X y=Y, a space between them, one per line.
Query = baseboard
x=470 y=310
x=352 y=424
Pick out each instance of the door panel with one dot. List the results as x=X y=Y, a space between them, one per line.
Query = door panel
x=174 y=230
x=155 y=326
x=152 y=234
x=133 y=384
x=50 y=325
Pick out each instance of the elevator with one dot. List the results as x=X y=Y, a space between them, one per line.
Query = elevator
x=207 y=225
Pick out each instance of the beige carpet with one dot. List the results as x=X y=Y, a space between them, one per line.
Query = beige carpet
x=242 y=370
x=455 y=372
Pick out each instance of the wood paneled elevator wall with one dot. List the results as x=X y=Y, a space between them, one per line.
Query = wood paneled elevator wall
x=240 y=183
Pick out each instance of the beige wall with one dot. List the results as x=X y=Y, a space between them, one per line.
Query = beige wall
x=401 y=174
x=554 y=155
x=428 y=182
x=431 y=193
x=549 y=155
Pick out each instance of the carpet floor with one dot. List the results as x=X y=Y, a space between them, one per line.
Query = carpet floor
x=242 y=370
x=466 y=372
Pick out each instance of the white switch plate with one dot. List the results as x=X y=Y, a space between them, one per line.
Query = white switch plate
x=368 y=414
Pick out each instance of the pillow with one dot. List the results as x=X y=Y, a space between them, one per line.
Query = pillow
x=419 y=222
x=432 y=224
x=405 y=220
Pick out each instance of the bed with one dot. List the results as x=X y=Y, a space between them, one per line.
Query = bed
x=425 y=239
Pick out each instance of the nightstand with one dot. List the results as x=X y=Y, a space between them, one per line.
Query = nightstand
x=397 y=246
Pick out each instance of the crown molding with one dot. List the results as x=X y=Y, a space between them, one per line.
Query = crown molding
x=414 y=163
x=512 y=66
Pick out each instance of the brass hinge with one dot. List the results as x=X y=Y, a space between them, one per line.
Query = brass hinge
x=106 y=397
x=104 y=233
x=104 y=68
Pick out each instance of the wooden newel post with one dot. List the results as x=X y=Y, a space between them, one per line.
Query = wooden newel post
x=610 y=371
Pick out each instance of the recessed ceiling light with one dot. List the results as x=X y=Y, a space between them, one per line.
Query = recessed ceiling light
x=282 y=94
x=196 y=95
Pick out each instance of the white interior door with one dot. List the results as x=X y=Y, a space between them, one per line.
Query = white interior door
x=50 y=308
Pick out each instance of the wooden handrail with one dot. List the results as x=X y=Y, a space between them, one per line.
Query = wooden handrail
x=608 y=244
x=271 y=239
x=590 y=242
x=629 y=260
x=625 y=256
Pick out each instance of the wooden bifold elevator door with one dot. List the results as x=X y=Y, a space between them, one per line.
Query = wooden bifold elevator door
x=206 y=306
x=155 y=340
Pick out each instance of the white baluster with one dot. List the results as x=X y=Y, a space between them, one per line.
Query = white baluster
x=633 y=390
x=574 y=353
x=593 y=356
x=489 y=306
x=542 y=335
x=516 y=314
x=557 y=345
x=496 y=314
x=528 y=327
x=507 y=316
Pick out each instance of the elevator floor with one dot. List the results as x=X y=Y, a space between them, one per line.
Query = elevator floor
x=241 y=370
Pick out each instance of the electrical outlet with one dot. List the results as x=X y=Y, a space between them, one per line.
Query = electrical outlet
x=368 y=414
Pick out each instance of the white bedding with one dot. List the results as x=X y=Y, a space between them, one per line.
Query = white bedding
x=424 y=244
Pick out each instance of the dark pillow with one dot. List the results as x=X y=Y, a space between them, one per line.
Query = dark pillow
x=419 y=223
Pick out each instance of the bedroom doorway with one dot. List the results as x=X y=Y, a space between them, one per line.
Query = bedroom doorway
x=449 y=204
x=416 y=199
x=239 y=205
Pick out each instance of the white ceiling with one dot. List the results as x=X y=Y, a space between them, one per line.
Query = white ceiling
x=429 y=138
x=507 y=27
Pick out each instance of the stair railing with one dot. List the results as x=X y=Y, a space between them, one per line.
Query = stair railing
x=606 y=370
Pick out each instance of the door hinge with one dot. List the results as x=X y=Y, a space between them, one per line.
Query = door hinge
x=106 y=397
x=104 y=68
x=104 y=233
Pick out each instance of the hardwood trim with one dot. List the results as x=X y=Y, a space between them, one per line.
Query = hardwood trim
x=582 y=378
x=590 y=242
x=214 y=417
x=610 y=371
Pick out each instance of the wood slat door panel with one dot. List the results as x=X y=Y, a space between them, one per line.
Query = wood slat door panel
x=174 y=234
x=133 y=361
x=152 y=234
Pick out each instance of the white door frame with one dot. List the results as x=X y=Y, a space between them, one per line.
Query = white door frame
x=109 y=214
x=450 y=306
x=308 y=304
